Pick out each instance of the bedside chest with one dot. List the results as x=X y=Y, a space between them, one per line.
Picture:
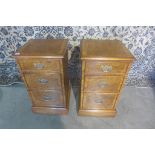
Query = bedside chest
x=105 y=66
x=43 y=66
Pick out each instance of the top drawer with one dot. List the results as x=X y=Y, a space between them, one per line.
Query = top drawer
x=105 y=67
x=39 y=64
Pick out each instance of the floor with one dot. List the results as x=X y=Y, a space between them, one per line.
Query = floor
x=136 y=109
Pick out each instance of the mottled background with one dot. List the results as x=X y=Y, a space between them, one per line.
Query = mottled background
x=139 y=39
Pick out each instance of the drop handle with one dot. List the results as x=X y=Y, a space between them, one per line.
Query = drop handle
x=48 y=98
x=106 y=68
x=102 y=84
x=98 y=101
x=43 y=81
x=39 y=65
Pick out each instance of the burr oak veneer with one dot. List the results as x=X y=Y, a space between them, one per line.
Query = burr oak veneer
x=43 y=66
x=105 y=66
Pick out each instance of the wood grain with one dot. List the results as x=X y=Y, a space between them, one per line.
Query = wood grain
x=47 y=98
x=98 y=101
x=46 y=81
x=105 y=65
x=106 y=84
x=47 y=48
x=44 y=72
x=39 y=64
x=104 y=50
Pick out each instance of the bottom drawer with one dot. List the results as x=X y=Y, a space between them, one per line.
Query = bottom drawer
x=98 y=101
x=47 y=98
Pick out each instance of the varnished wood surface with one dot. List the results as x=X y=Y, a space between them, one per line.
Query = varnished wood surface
x=48 y=98
x=65 y=80
x=46 y=81
x=44 y=70
x=98 y=101
x=39 y=64
x=105 y=65
x=54 y=48
x=104 y=50
x=50 y=110
x=106 y=84
x=98 y=113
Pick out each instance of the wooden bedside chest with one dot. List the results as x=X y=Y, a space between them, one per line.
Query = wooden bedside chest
x=43 y=66
x=105 y=65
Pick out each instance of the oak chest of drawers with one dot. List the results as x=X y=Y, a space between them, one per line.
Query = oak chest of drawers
x=43 y=66
x=105 y=66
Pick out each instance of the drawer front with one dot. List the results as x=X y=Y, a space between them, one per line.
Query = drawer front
x=104 y=84
x=47 y=98
x=98 y=101
x=39 y=64
x=105 y=68
x=43 y=81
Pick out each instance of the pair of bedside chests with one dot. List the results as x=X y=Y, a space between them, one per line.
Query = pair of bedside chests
x=43 y=67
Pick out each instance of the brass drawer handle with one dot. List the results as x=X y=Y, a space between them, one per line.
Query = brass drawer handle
x=106 y=68
x=102 y=84
x=43 y=81
x=48 y=98
x=39 y=65
x=98 y=101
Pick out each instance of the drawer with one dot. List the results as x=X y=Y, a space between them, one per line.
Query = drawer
x=39 y=64
x=42 y=81
x=47 y=98
x=104 y=84
x=98 y=101
x=105 y=68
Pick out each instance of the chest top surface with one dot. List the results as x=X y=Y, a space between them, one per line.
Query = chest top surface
x=104 y=50
x=55 y=48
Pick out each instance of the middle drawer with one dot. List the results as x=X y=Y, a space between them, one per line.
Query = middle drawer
x=104 y=84
x=42 y=81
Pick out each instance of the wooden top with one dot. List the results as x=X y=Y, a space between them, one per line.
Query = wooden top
x=104 y=50
x=44 y=47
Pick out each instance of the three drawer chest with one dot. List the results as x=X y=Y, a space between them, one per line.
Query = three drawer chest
x=105 y=66
x=43 y=66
